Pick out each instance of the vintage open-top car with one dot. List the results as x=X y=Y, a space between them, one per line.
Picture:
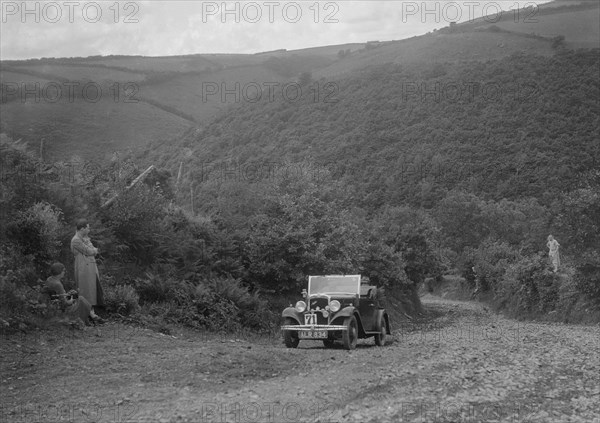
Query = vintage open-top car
x=336 y=308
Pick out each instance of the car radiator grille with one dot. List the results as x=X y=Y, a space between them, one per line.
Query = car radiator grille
x=318 y=302
x=321 y=303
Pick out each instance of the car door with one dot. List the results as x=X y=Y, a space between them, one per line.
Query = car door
x=367 y=308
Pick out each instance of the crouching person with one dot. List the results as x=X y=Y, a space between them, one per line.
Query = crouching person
x=73 y=304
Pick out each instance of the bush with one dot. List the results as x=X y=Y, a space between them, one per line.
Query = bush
x=135 y=220
x=152 y=288
x=21 y=307
x=122 y=299
x=490 y=260
x=38 y=231
x=156 y=288
x=251 y=310
x=215 y=312
x=529 y=286
x=13 y=299
x=22 y=179
x=587 y=279
x=18 y=279
x=210 y=303
x=21 y=267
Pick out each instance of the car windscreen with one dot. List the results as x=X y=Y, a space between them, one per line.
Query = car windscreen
x=334 y=284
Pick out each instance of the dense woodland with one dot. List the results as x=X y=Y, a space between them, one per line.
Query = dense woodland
x=398 y=172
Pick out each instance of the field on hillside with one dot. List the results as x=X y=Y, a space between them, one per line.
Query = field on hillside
x=580 y=28
x=438 y=47
x=328 y=50
x=234 y=60
x=562 y=3
x=157 y=64
x=79 y=73
x=7 y=77
x=90 y=130
x=191 y=94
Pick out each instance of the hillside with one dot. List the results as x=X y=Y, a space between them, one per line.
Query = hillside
x=438 y=47
x=138 y=100
x=531 y=32
x=521 y=131
x=173 y=90
x=578 y=24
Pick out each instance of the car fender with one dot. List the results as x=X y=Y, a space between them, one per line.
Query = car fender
x=347 y=312
x=386 y=319
x=292 y=313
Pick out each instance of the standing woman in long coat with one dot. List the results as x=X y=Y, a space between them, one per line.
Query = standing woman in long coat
x=87 y=277
x=553 y=246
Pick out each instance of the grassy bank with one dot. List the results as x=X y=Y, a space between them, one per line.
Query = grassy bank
x=570 y=307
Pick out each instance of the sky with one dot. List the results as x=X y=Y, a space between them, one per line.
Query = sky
x=75 y=28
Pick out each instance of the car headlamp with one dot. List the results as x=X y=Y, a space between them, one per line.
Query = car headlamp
x=334 y=306
x=300 y=306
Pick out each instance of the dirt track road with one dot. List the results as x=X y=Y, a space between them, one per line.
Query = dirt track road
x=459 y=363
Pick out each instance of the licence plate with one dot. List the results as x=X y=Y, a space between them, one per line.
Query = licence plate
x=313 y=334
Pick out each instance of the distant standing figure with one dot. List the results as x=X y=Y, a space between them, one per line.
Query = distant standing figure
x=553 y=246
x=477 y=282
x=86 y=271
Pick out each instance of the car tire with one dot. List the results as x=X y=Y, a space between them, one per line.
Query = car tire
x=350 y=335
x=290 y=337
x=381 y=336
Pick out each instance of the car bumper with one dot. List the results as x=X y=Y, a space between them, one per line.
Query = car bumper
x=314 y=327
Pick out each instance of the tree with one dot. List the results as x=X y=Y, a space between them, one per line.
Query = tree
x=459 y=216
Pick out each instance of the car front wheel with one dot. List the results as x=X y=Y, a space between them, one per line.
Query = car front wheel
x=290 y=337
x=380 y=337
x=350 y=335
